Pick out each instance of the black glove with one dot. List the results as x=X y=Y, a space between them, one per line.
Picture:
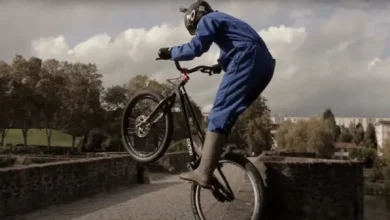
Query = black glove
x=216 y=68
x=165 y=53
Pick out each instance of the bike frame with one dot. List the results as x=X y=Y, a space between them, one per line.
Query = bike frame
x=188 y=112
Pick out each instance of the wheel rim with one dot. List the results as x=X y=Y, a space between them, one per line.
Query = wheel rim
x=252 y=181
x=146 y=138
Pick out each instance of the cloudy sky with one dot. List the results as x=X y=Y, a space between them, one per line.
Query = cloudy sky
x=328 y=54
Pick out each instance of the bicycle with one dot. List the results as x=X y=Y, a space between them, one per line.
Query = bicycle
x=143 y=124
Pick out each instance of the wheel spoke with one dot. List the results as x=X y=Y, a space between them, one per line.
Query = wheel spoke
x=143 y=141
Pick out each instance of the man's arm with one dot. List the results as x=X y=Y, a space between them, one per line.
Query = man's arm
x=200 y=43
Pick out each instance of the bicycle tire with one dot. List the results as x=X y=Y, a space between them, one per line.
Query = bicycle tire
x=161 y=150
x=251 y=170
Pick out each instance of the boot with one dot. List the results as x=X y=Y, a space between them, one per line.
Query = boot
x=211 y=152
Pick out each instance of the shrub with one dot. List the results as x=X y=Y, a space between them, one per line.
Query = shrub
x=373 y=175
x=374 y=188
x=112 y=144
x=367 y=155
x=386 y=173
x=178 y=146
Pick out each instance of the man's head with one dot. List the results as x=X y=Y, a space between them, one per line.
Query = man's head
x=194 y=13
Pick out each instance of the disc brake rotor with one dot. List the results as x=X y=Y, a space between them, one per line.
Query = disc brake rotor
x=141 y=129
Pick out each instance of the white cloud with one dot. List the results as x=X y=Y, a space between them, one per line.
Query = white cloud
x=51 y=47
x=335 y=64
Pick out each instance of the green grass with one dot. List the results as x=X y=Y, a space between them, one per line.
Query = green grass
x=38 y=137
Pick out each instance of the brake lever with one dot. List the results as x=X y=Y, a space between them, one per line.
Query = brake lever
x=208 y=71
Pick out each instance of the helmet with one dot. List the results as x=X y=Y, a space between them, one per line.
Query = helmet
x=194 y=13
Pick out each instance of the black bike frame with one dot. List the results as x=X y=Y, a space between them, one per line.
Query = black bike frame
x=188 y=112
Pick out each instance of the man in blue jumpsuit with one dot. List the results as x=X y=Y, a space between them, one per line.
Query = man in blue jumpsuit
x=248 y=67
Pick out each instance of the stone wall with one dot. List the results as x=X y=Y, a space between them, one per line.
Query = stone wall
x=290 y=154
x=171 y=162
x=304 y=188
x=24 y=189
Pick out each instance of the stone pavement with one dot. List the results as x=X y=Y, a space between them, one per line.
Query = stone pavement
x=166 y=197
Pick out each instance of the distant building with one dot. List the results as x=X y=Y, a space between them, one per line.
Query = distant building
x=341 y=121
x=342 y=150
x=382 y=125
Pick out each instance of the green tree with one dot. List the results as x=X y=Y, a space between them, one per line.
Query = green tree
x=359 y=134
x=25 y=75
x=369 y=139
x=113 y=101
x=282 y=135
x=352 y=132
x=82 y=100
x=329 y=116
x=321 y=139
x=5 y=110
x=253 y=127
x=345 y=135
x=385 y=150
x=51 y=91
x=313 y=135
x=115 y=97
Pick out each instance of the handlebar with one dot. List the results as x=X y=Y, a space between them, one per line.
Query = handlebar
x=201 y=68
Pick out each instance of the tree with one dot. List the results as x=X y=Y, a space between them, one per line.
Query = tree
x=282 y=135
x=51 y=91
x=352 y=132
x=329 y=116
x=359 y=134
x=114 y=98
x=253 y=127
x=385 y=150
x=345 y=135
x=313 y=135
x=113 y=101
x=5 y=110
x=82 y=100
x=24 y=78
x=320 y=138
x=369 y=139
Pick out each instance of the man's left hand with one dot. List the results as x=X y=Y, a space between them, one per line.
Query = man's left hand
x=165 y=53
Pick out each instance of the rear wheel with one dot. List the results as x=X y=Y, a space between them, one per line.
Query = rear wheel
x=248 y=195
x=146 y=143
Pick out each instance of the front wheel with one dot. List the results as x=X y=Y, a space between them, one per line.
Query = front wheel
x=248 y=200
x=146 y=143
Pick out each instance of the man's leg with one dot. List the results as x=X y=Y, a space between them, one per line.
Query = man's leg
x=236 y=92
x=215 y=138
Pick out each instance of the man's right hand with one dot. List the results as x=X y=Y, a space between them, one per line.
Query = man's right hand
x=165 y=53
x=216 y=68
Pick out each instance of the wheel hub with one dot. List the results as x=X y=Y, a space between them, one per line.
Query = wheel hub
x=141 y=129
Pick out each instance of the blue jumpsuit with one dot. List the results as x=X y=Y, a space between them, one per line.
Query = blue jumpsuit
x=244 y=57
